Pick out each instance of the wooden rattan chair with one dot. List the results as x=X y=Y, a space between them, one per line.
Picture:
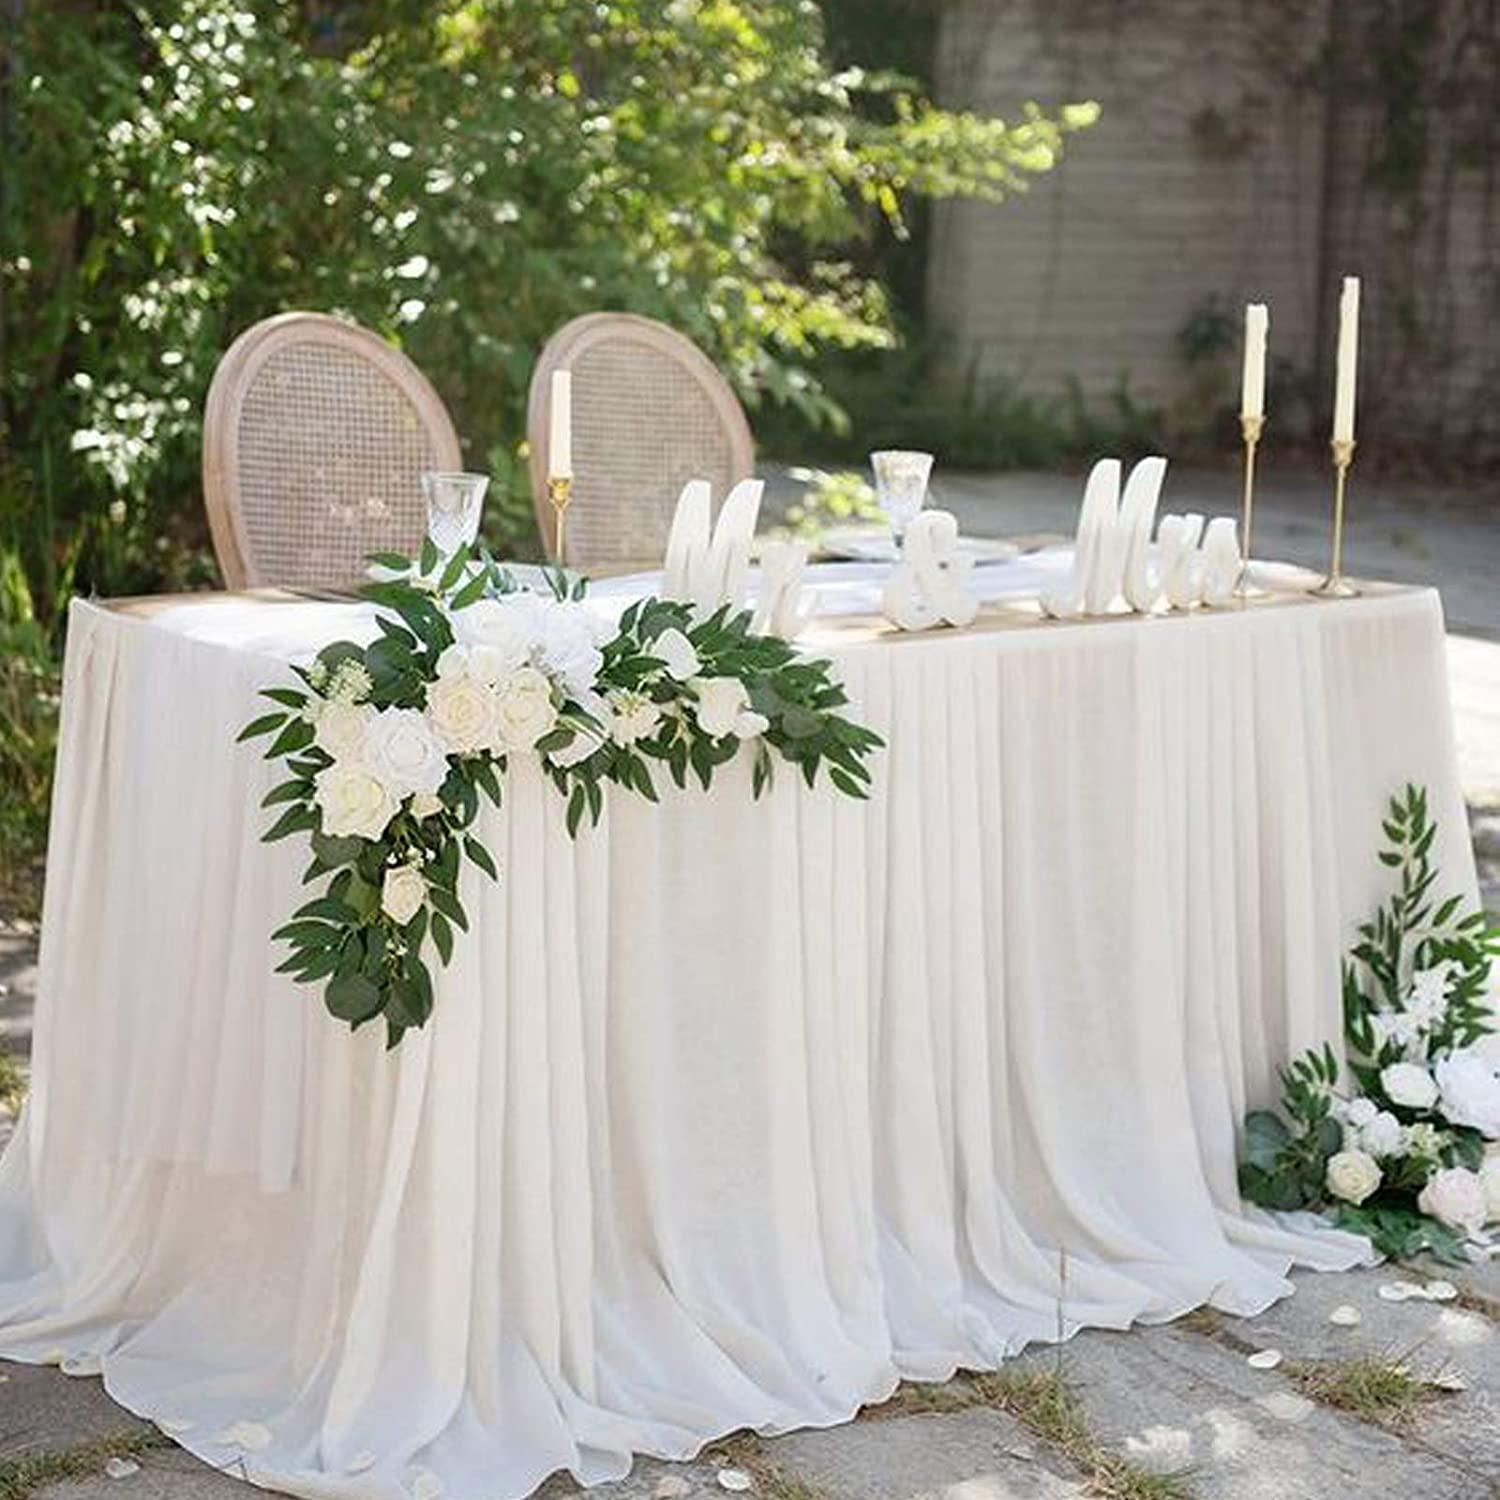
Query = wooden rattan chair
x=315 y=435
x=650 y=412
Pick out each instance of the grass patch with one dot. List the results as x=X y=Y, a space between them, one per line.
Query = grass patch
x=1376 y=1388
x=22 y=1476
x=12 y=1081
x=1044 y=1403
x=747 y=1451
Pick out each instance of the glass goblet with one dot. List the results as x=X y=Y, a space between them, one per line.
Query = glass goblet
x=455 y=503
x=901 y=485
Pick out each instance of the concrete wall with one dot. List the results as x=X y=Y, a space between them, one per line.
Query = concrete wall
x=1225 y=168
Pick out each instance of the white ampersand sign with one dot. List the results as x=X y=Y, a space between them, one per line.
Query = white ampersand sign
x=929 y=586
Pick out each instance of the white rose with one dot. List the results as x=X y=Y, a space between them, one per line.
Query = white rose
x=750 y=724
x=464 y=715
x=354 y=804
x=1385 y=1135
x=402 y=750
x=632 y=717
x=1489 y=1176
x=1352 y=1176
x=489 y=665
x=526 y=710
x=1409 y=1084
x=402 y=893
x=721 y=701
x=1361 y=1112
x=1456 y=1196
x=506 y=626
x=453 y=662
x=340 y=730
x=676 y=652
x=1469 y=1083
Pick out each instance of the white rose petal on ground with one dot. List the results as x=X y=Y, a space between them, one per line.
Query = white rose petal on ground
x=121 y=1468
x=1398 y=1291
x=1440 y=1291
x=736 y=1480
x=1264 y=1359
x=1346 y=1316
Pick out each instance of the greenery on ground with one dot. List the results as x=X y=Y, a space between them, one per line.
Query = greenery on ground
x=24 y=1474
x=1377 y=1388
x=461 y=175
x=12 y=1081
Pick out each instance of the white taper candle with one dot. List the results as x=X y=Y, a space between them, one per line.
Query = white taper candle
x=1343 y=399
x=560 y=429
x=1253 y=386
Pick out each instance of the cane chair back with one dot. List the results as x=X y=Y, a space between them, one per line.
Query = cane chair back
x=315 y=436
x=650 y=412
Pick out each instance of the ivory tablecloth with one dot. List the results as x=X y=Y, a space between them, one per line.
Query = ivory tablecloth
x=730 y=1113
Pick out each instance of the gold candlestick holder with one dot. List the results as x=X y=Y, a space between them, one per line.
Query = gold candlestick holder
x=560 y=492
x=1336 y=586
x=1251 y=428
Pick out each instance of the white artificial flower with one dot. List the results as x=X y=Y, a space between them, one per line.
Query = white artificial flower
x=526 y=709
x=465 y=715
x=349 y=682
x=721 y=701
x=1394 y=1026
x=750 y=724
x=1361 y=1112
x=402 y=750
x=453 y=662
x=631 y=716
x=1469 y=1082
x=1489 y=1176
x=677 y=653
x=1427 y=1000
x=583 y=744
x=1456 y=1197
x=426 y=805
x=506 y=626
x=1352 y=1176
x=567 y=647
x=1409 y=1085
x=489 y=665
x=402 y=893
x=354 y=803
x=1426 y=1141
x=1385 y=1135
x=340 y=729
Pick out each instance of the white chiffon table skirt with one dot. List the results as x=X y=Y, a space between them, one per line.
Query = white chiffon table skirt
x=731 y=1114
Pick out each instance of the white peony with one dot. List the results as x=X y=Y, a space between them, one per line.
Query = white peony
x=526 y=709
x=464 y=715
x=402 y=750
x=632 y=716
x=1409 y=1085
x=1385 y=1135
x=721 y=701
x=1489 y=1176
x=677 y=653
x=402 y=893
x=1361 y=1112
x=1455 y=1196
x=1469 y=1082
x=340 y=729
x=354 y=803
x=567 y=645
x=1352 y=1176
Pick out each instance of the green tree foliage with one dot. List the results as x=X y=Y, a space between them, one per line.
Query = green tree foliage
x=462 y=176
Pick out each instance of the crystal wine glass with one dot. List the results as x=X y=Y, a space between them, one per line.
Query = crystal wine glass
x=454 y=505
x=901 y=484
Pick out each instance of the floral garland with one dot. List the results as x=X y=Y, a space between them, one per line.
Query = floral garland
x=1407 y=1157
x=389 y=748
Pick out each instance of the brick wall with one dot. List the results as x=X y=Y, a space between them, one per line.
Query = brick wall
x=1225 y=168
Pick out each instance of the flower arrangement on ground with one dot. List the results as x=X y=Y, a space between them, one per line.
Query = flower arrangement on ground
x=391 y=746
x=1409 y=1155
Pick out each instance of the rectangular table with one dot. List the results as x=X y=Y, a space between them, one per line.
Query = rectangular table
x=730 y=1113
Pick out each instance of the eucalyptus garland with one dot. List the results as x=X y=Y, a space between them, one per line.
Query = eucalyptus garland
x=391 y=748
x=1408 y=1155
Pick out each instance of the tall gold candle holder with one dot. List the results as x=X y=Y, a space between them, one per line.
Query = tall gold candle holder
x=559 y=492
x=1336 y=586
x=1251 y=427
